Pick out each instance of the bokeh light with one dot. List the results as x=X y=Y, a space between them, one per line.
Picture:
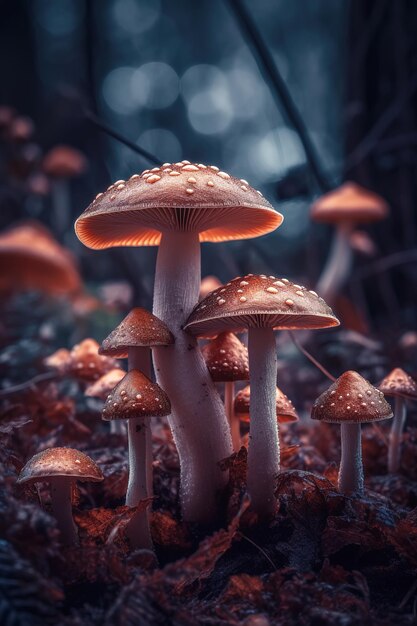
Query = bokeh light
x=136 y=17
x=162 y=142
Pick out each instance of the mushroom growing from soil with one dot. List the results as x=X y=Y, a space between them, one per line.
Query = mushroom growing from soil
x=61 y=468
x=136 y=399
x=345 y=208
x=227 y=360
x=261 y=304
x=133 y=339
x=402 y=387
x=177 y=206
x=351 y=401
x=30 y=258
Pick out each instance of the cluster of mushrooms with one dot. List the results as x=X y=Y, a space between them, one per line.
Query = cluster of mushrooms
x=176 y=207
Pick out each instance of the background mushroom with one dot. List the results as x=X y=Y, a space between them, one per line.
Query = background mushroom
x=102 y=387
x=345 y=208
x=227 y=360
x=402 y=387
x=261 y=304
x=136 y=399
x=61 y=468
x=178 y=206
x=351 y=401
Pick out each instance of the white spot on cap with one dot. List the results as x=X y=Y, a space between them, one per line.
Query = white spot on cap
x=153 y=179
x=223 y=175
x=299 y=293
x=243 y=283
x=271 y=290
x=279 y=283
x=245 y=182
x=174 y=174
x=214 y=168
x=221 y=301
x=134 y=176
x=243 y=187
x=190 y=168
x=210 y=183
x=242 y=299
x=189 y=191
x=121 y=186
x=98 y=196
x=166 y=164
x=202 y=166
x=191 y=180
x=289 y=302
x=118 y=182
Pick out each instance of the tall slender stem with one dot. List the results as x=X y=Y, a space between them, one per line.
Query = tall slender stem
x=338 y=265
x=263 y=456
x=198 y=419
x=394 y=446
x=351 y=468
x=234 y=422
x=61 y=491
x=140 y=359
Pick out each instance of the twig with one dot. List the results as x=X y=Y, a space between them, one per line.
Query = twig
x=310 y=357
x=280 y=91
x=382 y=265
x=261 y=550
x=28 y=384
x=96 y=121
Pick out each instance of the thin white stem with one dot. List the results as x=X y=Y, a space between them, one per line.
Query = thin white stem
x=198 y=419
x=263 y=455
x=351 y=468
x=234 y=422
x=338 y=265
x=61 y=491
x=136 y=488
x=394 y=446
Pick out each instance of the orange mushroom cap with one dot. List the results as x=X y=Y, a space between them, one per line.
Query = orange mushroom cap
x=86 y=363
x=351 y=399
x=105 y=384
x=58 y=360
x=259 y=301
x=286 y=411
x=136 y=396
x=179 y=196
x=64 y=162
x=30 y=258
x=65 y=462
x=226 y=358
x=349 y=203
x=138 y=329
x=208 y=284
x=399 y=383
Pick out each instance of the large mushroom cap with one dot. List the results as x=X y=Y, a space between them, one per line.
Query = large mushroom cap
x=226 y=358
x=351 y=399
x=349 y=203
x=105 y=384
x=259 y=301
x=176 y=197
x=56 y=462
x=399 y=383
x=64 y=162
x=286 y=412
x=30 y=258
x=136 y=396
x=138 y=329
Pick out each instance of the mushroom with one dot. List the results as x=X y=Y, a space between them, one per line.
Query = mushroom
x=85 y=362
x=227 y=360
x=261 y=304
x=350 y=401
x=402 y=387
x=101 y=389
x=344 y=208
x=285 y=410
x=61 y=164
x=177 y=206
x=136 y=398
x=208 y=283
x=61 y=468
x=30 y=258
x=133 y=339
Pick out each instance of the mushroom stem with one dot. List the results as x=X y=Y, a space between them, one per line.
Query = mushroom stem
x=61 y=500
x=351 y=468
x=136 y=488
x=138 y=532
x=140 y=359
x=338 y=265
x=394 y=446
x=198 y=419
x=234 y=422
x=263 y=455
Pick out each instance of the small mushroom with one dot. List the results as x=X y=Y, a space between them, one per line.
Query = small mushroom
x=136 y=399
x=345 y=208
x=286 y=411
x=350 y=401
x=402 y=387
x=61 y=468
x=227 y=360
x=208 y=283
x=86 y=364
x=261 y=304
x=105 y=384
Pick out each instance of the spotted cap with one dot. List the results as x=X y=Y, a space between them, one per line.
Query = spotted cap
x=138 y=329
x=30 y=258
x=58 y=360
x=351 y=399
x=136 y=396
x=259 y=301
x=176 y=197
x=349 y=203
x=286 y=412
x=226 y=358
x=65 y=462
x=64 y=162
x=105 y=384
x=399 y=383
x=85 y=362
